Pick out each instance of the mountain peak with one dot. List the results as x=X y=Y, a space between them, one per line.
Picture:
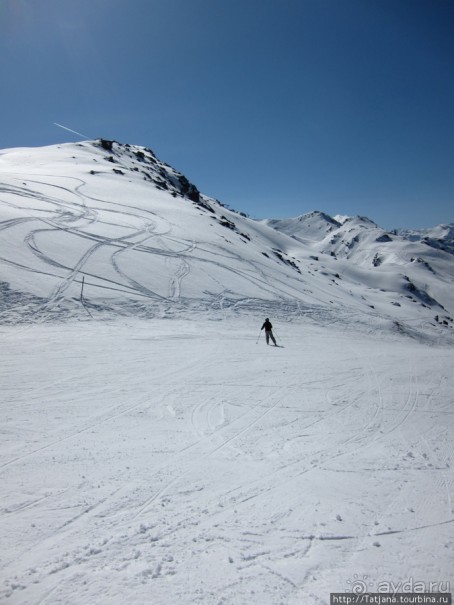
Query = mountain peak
x=318 y=214
x=362 y=221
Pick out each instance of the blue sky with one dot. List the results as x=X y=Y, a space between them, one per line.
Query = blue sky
x=275 y=107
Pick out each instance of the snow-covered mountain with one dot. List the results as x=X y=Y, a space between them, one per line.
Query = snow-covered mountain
x=414 y=265
x=349 y=234
x=440 y=237
x=185 y=462
x=104 y=228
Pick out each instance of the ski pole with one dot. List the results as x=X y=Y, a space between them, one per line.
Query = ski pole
x=260 y=333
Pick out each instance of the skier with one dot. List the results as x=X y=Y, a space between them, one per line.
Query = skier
x=268 y=332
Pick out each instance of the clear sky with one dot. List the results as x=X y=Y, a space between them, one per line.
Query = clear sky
x=275 y=107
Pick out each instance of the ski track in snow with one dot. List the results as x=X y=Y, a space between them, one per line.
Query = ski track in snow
x=216 y=470
x=84 y=217
x=74 y=218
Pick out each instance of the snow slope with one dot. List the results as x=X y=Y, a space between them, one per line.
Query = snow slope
x=180 y=462
x=126 y=225
x=154 y=450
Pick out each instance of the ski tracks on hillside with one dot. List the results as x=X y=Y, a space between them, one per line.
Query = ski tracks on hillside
x=216 y=432
x=90 y=511
x=70 y=214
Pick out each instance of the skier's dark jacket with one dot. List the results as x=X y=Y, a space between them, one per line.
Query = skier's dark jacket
x=267 y=325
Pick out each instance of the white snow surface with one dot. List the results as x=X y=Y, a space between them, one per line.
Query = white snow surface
x=154 y=450
x=180 y=462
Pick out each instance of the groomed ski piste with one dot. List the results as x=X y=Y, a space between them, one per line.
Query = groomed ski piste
x=155 y=451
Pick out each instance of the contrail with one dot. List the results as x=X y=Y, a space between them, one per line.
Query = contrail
x=70 y=130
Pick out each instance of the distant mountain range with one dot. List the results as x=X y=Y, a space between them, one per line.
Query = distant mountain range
x=101 y=229
x=346 y=232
